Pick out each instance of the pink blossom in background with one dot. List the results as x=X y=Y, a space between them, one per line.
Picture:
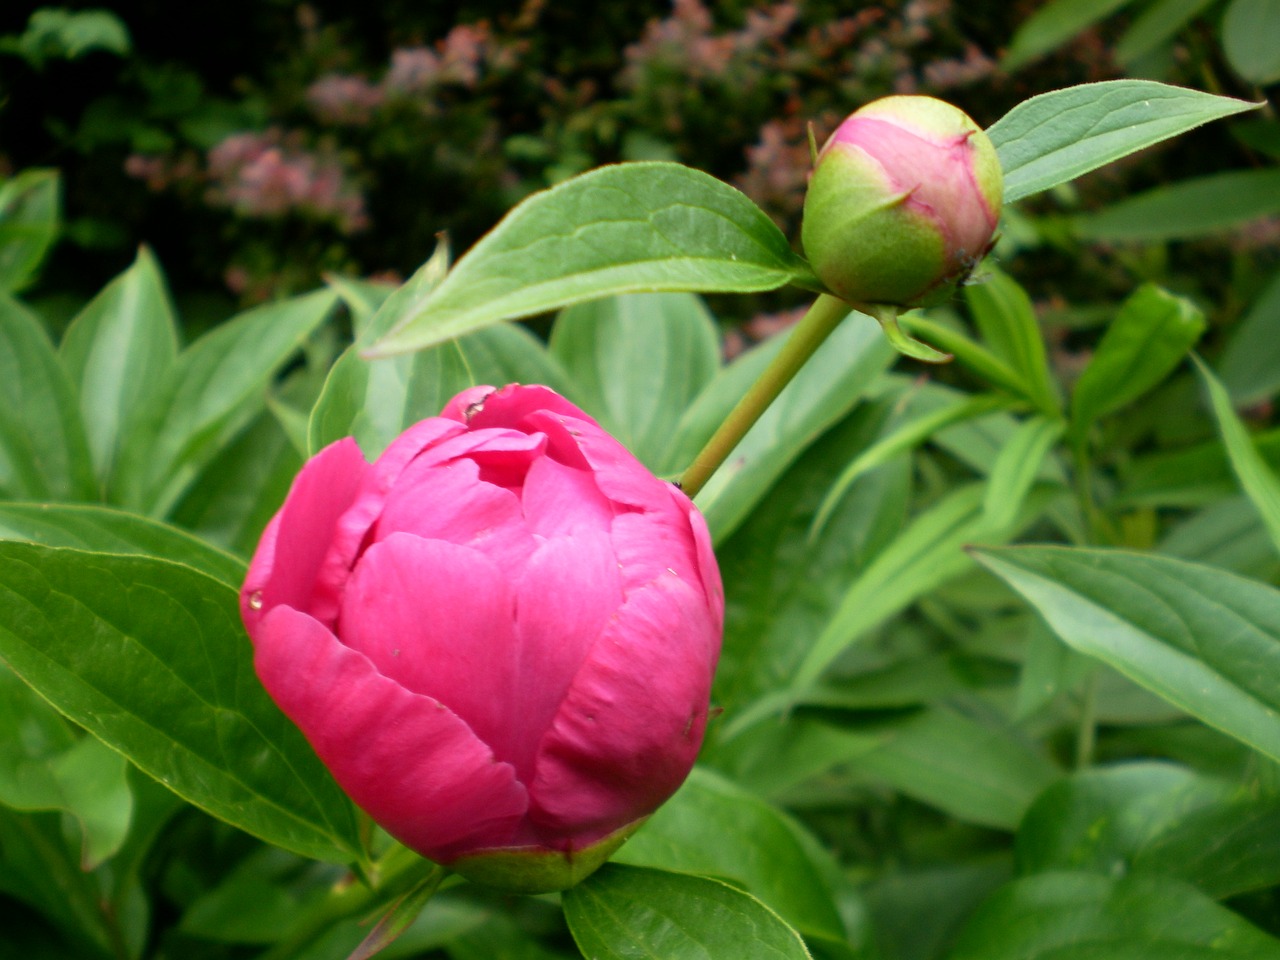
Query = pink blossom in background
x=343 y=99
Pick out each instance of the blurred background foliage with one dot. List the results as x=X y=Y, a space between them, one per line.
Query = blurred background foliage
x=281 y=141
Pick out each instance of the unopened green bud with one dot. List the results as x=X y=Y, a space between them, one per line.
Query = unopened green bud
x=903 y=203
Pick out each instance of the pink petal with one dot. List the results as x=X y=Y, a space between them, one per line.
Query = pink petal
x=656 y=544
x=504 y=456
x=708 y=568
x=438 y=619
x=408 y=762
x=349 y=534
x=621 y=477
x=632 y=722
x=301 y=532
x=469 y=401
x=511 y=405
x=561 y=501
x=567 y=596
x=450 y=502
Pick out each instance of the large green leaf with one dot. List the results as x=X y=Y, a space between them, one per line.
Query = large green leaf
x=1087 y=916
x=1190 y=208
x=1148 y=338
x=215 y=388
x=637 y=363
x=625 y=913
x=1053 y=25
x=1057 y=136
x=714 y=828
x=627 y=228
x=1203 y=639
x=1160 y=819
x=30 y=214
x=168 y=681
x=44 y=454
x=119 y=351
x=107 y=530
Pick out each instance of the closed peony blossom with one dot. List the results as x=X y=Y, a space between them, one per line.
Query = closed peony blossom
x=903 y=203
x=499 y=637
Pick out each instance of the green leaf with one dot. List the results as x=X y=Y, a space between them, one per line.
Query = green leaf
x=399 y=916
x=168 y=681
x=1052 y=25
x=971 y=354
x=1190 y=477
x=1086 y=916
x=712 y=827
x=1225 y=534
x=1157 y=25
x=1055 y=137
x=237 y=494
x=624 y=913
x=1016 y=469
x=30 y=218
x=926 y=554
x=1259 y=483
x=44 y=454
x=1003 y=313
x=908 y=436
x=1250 y=363
x=780 y=582
x=637 y=363
x=1205 y=640
x=376 y=400
x=1190 y=208
x=1150 y=335
x=119 y=351
x=106 y=530
x=977 y=772
x=1159 y=819
x=215 y=388
x=38 y=869
x=827 y=387
x=44 y=767
x=627 y=228
x=1248 y=39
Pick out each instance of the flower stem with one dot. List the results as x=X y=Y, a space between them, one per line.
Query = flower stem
x=401 y=870
x=823 y=317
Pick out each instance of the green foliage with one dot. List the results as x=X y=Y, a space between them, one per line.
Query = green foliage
x=933 y=745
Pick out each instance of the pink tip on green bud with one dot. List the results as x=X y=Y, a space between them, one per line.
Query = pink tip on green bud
x=903 y=203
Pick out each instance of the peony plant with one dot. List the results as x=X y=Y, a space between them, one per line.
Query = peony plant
x=491 y=629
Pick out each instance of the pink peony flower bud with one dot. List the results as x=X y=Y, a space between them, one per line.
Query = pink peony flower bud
x=499 y=637
x=903 y=203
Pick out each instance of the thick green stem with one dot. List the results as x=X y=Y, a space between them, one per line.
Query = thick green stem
x=823 y=317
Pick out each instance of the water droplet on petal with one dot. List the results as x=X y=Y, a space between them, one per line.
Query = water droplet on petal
x=255 y=600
